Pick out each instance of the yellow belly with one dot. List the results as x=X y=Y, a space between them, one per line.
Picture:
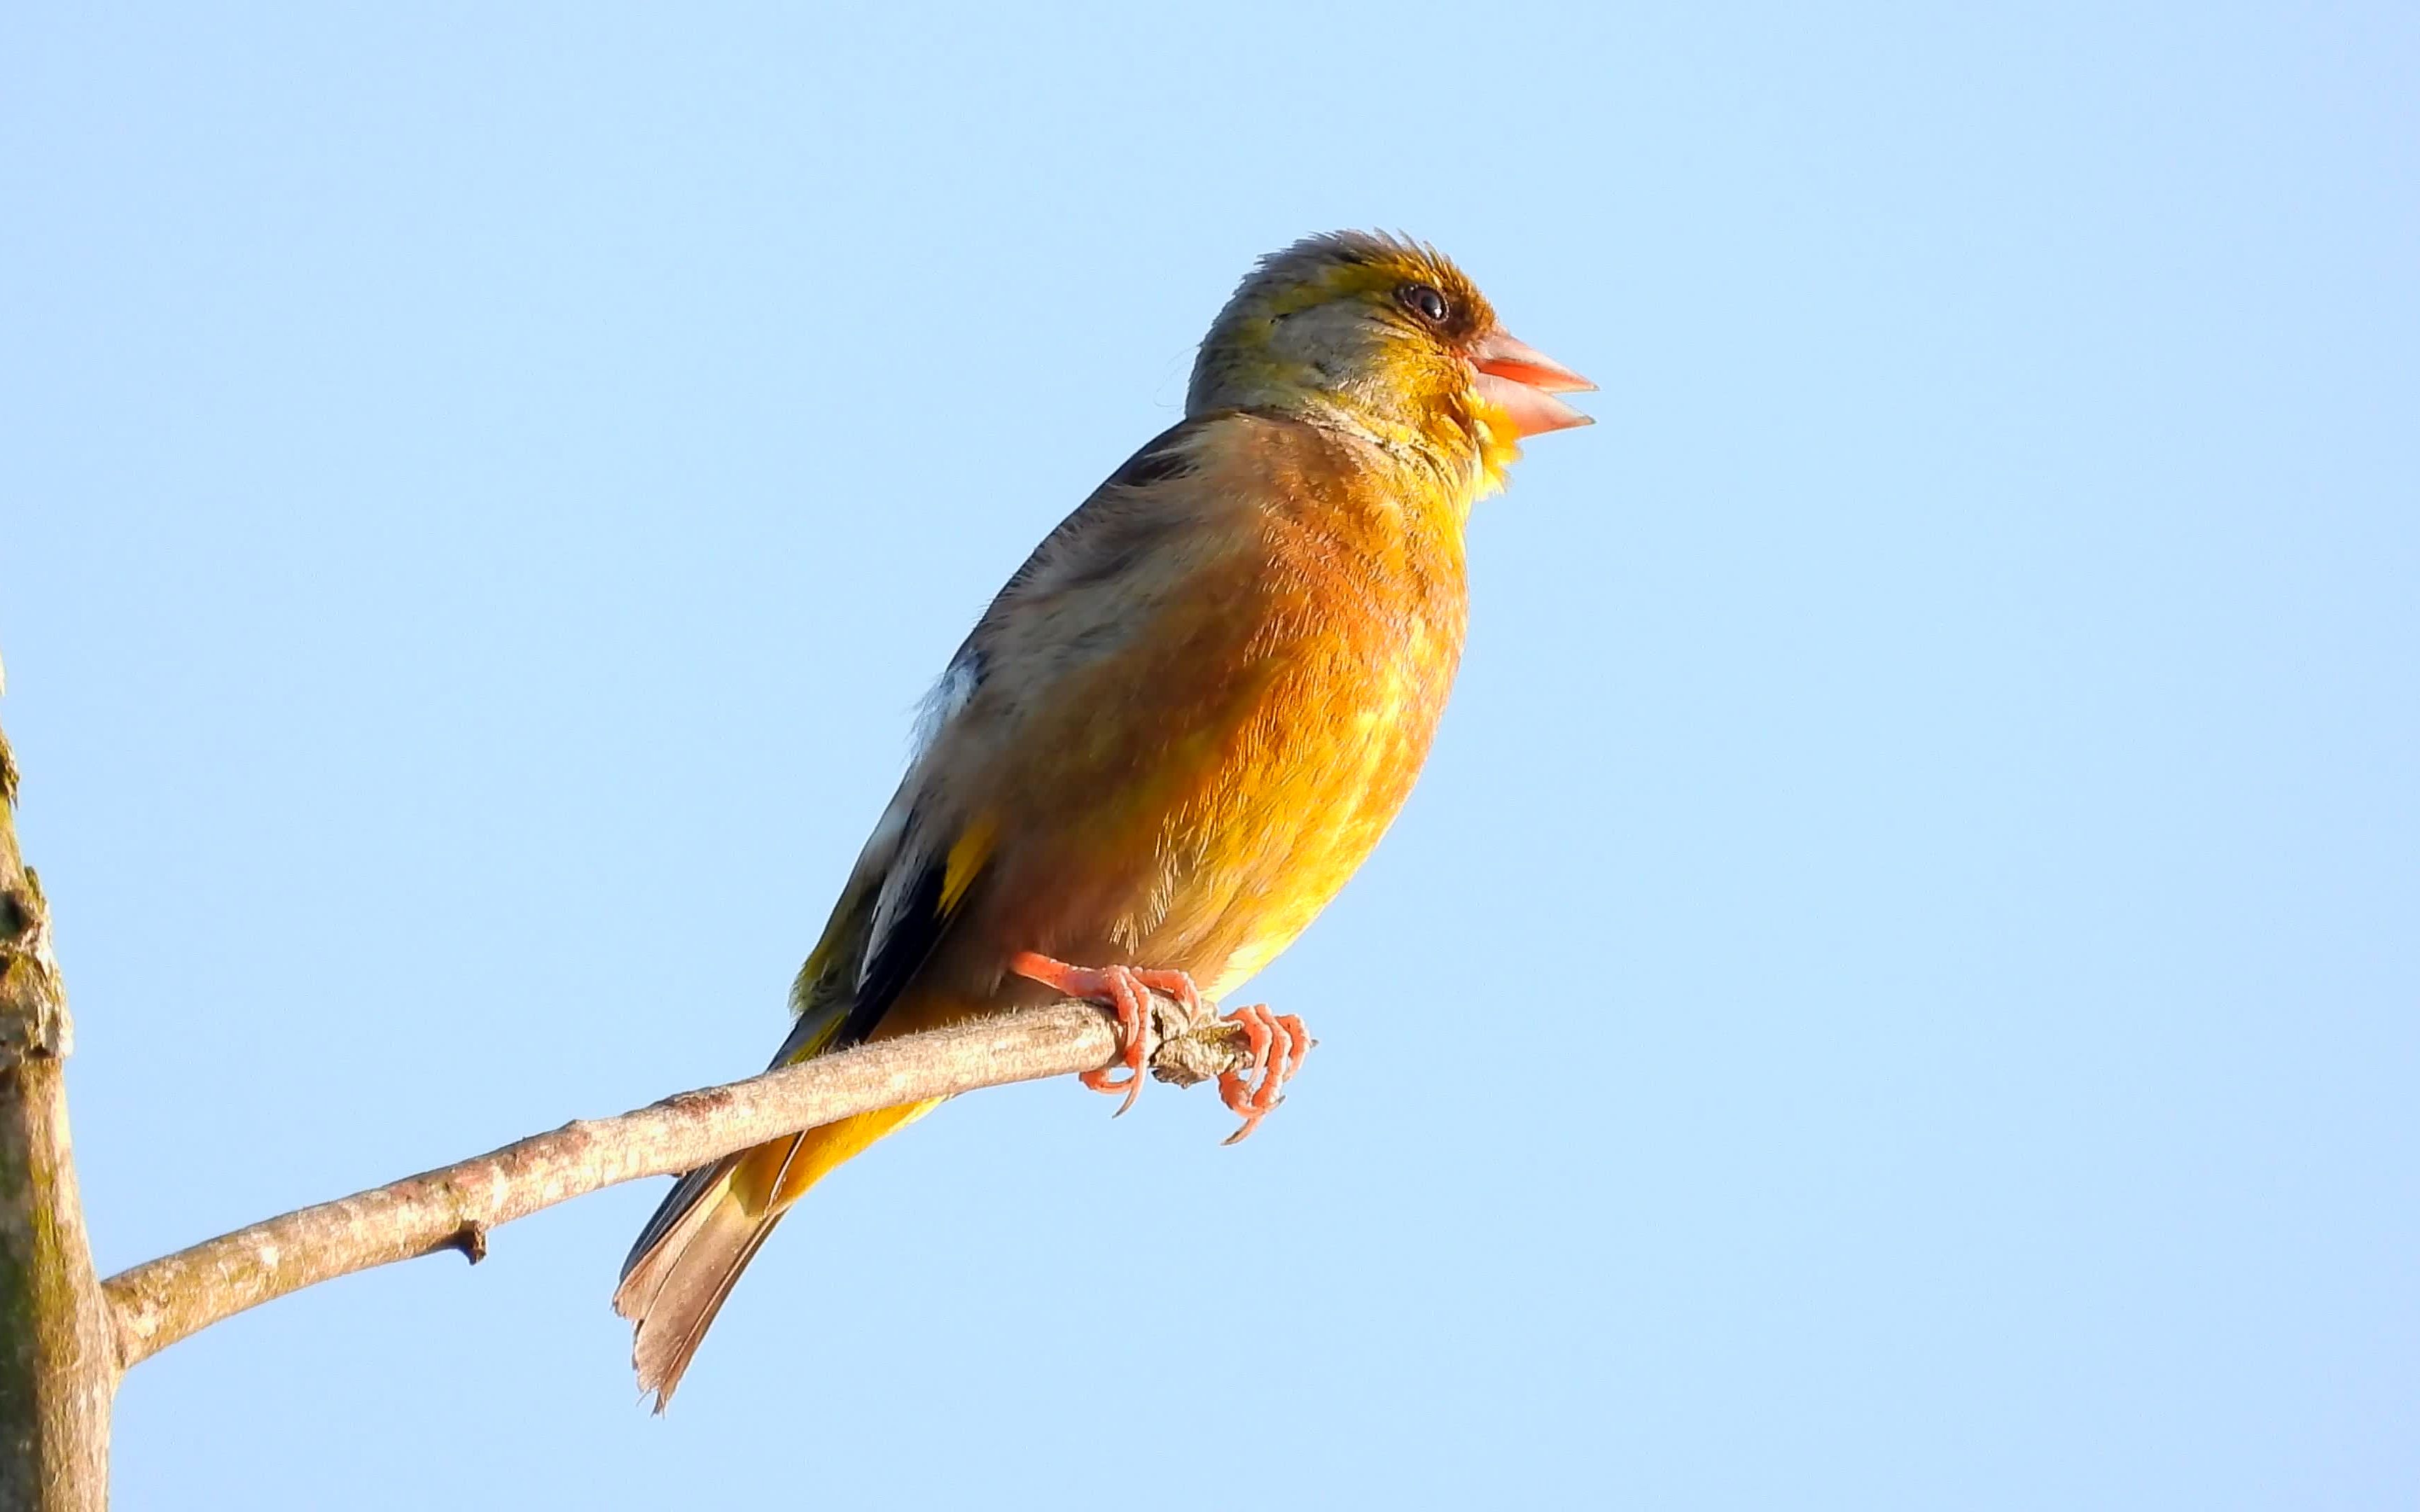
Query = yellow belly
x=1296 y=803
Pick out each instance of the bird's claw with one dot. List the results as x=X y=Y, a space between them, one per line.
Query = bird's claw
x=1279 y=1044
x=1126 y=989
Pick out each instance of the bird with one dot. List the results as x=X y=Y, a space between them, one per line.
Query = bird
x=1177 y=731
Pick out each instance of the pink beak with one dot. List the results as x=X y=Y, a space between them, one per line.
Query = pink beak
x=1522 y=382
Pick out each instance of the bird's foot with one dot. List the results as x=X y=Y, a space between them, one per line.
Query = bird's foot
x=1278 y=1044
x=1128 y=990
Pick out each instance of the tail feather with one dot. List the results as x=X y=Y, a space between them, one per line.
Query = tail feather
x=711 y=1225
x=682 y=1269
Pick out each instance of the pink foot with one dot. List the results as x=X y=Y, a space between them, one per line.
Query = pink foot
x=1279 y=1044
x=1128 y=990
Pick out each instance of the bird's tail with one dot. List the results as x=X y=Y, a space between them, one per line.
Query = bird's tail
x=709 y=1228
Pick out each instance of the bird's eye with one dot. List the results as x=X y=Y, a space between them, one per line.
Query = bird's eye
x=1423 y=301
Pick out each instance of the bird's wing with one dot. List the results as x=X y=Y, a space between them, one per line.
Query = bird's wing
x=1083 y=594
x=906 y=888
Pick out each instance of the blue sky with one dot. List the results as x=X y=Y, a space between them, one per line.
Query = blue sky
x=1897 y=989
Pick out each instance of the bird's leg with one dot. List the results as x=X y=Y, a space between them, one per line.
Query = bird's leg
x=1128 y=990
x=1279 y=1044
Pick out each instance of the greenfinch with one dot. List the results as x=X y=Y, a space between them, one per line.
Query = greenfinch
x=1176 y=731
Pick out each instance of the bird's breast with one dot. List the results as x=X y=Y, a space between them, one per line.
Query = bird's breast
x=1200 y=794
x=1362 y=656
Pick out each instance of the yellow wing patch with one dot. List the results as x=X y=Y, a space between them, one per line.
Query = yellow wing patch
x=966 y=859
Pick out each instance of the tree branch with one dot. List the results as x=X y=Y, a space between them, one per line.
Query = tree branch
x=57 y=1366
x=156 y=1304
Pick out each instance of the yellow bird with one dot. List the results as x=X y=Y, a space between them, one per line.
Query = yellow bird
x=1176 y=731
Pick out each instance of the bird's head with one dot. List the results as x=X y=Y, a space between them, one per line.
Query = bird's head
x=1386 y=337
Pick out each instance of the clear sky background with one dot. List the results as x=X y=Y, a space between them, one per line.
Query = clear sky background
x=1900 y=987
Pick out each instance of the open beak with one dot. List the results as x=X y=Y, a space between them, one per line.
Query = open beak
x=1523 y=382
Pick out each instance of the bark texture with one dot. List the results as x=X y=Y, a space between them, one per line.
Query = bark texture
x=57 y=1361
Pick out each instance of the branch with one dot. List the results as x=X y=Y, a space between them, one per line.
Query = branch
x=57 y=1366
x=156 y=1304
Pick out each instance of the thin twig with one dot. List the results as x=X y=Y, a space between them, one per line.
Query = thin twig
x=156 y=1304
